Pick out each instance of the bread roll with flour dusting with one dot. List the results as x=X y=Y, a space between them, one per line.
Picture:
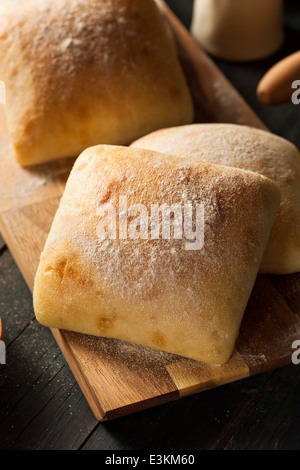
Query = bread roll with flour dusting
x=154 y=249
x=249 y=149
x=86 y=72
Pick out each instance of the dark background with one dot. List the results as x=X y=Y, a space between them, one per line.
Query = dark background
x=41 y=405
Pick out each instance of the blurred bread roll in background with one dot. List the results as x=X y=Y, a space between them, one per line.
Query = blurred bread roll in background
x=279 y=83
x=85 y=72
x=249 y=149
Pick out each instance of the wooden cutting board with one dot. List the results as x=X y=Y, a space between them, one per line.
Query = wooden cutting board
x=116 y=377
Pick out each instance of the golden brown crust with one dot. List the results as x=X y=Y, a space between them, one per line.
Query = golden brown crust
x=155 y=292
x=85 y=72
x=249 y=149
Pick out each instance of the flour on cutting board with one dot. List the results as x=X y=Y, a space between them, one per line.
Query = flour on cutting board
x=22 y=184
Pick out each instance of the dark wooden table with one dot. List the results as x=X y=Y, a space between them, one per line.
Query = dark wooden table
x=41 y=405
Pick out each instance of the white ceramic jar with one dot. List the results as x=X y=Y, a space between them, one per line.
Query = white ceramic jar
x=238 y=30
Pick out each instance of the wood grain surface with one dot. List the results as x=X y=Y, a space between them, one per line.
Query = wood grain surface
x=41 y=404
